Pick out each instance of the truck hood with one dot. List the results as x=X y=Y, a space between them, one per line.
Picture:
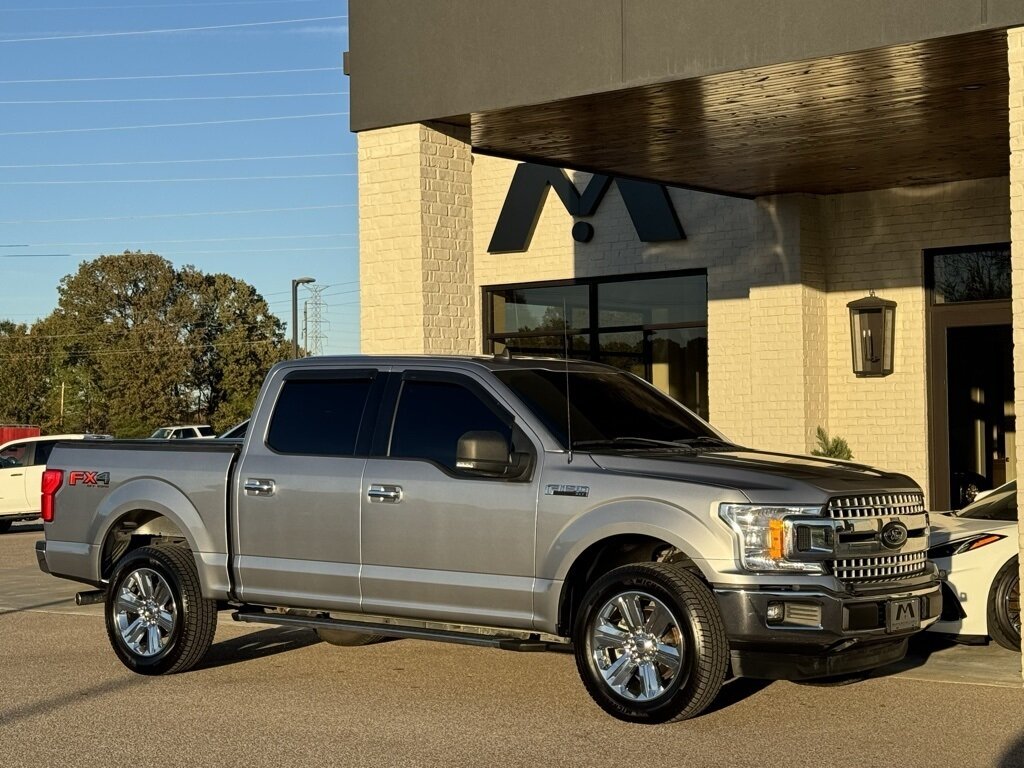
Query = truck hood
x=762 y=476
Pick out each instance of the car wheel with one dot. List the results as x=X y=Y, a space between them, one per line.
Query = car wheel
x=1004 y=606
x=157 y=619
x=347 y=638
x=650 y=643
x=5 y=525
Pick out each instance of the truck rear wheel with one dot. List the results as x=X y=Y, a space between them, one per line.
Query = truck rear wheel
x=157 y=619
x=650 y=643
x=5 y=525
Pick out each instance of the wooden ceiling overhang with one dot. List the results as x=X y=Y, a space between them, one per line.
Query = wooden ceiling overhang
x=920 y=113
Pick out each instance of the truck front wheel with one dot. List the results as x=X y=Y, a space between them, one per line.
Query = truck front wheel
x=650 y=643
x=157 y=619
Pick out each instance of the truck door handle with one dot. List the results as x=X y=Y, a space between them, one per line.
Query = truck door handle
x=385 y=494
x=257 y=486
x=17 y=474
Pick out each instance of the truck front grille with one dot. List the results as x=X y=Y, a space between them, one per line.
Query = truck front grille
x=882 y=568
x=877 y=505
x=880 y=510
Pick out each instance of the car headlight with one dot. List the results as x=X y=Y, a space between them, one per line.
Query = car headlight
x=951 y=548
x=766 y=535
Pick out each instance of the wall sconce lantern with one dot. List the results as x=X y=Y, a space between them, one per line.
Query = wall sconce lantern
x=873 y=335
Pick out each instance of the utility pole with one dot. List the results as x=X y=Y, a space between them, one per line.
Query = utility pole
x=62 y=406
x=296 y=282
x=305 y=328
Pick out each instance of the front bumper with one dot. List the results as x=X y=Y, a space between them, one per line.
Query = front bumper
x=837 y=632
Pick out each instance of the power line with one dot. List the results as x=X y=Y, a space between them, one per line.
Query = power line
x=66 y=182
x=184 y=253
x=137 y=32
x=176 y=76
x=177 y=98
x=120 y=163
x=241 y=212
x=193 y=240
x=173 y=125
x=203 y=4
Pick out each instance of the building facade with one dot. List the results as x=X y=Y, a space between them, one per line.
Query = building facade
x=697 y=195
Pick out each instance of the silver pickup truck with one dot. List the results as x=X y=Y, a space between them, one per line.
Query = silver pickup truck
x=515 y=503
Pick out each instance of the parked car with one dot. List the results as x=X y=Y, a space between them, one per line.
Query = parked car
x=186 y=432
x=22 y=463
x=978 y=549
x=513 y=503
x=237 y=432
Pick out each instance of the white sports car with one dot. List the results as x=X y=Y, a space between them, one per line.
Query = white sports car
x=978 y=550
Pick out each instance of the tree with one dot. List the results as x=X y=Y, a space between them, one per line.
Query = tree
x=138 y=344
x=833 y=448
x=24 y=374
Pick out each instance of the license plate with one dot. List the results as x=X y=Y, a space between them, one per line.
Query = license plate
x=903 y=614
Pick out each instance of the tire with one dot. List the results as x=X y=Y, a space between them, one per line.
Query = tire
x=1004 y=606
x=666 y=617
x=5 y=525
x=158 y=622
x=347 y=638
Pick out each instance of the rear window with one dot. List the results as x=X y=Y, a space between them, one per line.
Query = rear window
x=319 y=417
x=206 y=431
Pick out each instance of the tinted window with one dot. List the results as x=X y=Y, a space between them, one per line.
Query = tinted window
x=206 y=432
x=433 y=415
x=43 y=451
x=318 y=417
x=971 y=274
x=605 y=406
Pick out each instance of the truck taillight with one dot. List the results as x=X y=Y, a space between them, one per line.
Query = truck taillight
x=52 y=479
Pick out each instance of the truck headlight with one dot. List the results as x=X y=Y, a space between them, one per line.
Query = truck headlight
x=766 y=533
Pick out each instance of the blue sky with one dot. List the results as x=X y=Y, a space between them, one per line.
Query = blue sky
x=105 y=191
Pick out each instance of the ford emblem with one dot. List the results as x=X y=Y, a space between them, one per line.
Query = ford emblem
x=894 y=535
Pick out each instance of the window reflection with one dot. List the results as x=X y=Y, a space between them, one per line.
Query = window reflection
x=654 y=327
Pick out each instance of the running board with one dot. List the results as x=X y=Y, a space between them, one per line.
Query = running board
x=502 y=642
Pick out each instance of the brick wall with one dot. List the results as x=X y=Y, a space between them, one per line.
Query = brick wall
x=876 y=240
x=416 y=240
x=1015 y=46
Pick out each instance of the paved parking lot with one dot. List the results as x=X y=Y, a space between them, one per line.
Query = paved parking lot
x=272 y=697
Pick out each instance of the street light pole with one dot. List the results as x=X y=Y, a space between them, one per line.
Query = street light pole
x=295 y=312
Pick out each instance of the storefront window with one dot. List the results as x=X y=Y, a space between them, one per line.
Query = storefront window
x=654 y=327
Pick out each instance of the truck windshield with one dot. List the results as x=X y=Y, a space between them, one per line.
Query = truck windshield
x=609 y=410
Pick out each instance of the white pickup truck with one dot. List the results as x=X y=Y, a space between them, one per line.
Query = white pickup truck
x=516 y=503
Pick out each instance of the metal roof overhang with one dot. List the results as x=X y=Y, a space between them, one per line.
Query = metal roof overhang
x=919 y=113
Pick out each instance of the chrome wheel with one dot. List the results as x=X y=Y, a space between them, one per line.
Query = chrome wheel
x=145 y=612
x=637 y=646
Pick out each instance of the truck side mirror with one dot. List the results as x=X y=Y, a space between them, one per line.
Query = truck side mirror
x=484 y=452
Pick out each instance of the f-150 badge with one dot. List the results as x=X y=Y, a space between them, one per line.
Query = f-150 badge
x=567 y=490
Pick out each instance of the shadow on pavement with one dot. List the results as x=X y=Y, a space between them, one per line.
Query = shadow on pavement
x=48 y=706
x=257 y=645
x=736 y=690
x=68 y=601
x=1014 y=756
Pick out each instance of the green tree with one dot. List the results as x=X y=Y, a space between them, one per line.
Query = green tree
x=138 y=344
x=833 y=448
x=24 y=374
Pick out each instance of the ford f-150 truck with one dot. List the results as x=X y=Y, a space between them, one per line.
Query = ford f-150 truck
x=518 y=503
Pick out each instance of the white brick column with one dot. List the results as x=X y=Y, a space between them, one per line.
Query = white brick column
x=416 y=240
x=1015 y=45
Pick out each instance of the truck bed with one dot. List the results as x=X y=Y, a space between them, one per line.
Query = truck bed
x=188 y=482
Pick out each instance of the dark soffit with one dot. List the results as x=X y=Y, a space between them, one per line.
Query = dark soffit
x=919 y=113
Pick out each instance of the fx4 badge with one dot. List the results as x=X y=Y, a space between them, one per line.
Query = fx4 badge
x=567 y=490
x=93 y=479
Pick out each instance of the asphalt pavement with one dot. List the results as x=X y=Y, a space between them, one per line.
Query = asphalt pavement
x=278 y=697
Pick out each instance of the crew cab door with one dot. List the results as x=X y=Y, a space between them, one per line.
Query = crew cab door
x=439 y=542
x=297 y=490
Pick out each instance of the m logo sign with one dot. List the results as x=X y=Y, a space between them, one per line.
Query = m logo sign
x=648 y=204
